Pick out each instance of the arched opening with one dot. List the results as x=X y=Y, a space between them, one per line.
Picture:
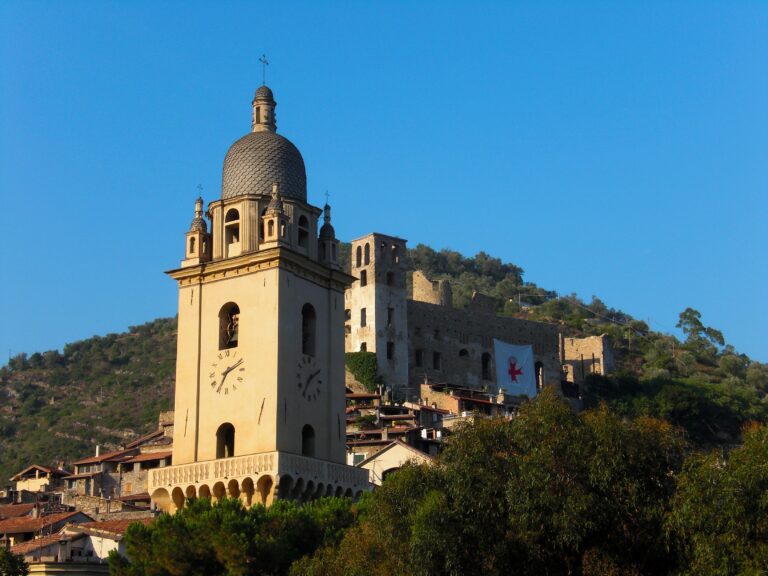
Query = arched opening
x=264 y=486
x=308 y=441
x=192 y=245
x=367 y=253
x=229 y=322
x=303 y=231
x=225 y=441
x=190 y=493
x=486 y=362
x=219 y=492
x=463 y=353
x=539 y=370
x=246 y=492
x=395 y=255
x=364 y=278
x=358 y=257
x=262 y=225
x=232 y=232
x=233 y=489
x=308 y=322
x=270 y=228
x=363 y=347
x=178 y=498
x=162 y=499
x=204 y=492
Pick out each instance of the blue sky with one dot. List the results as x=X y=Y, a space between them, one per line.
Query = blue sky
x=609 y=149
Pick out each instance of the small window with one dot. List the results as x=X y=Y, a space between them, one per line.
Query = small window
x=390 y=350
x=191 y=245
x=229 y=325
x=270 y=228
x=539 y=369
x=358 y=257
x=390 y=278
x=347 y=315
x=436 y=360
x=363 y=347
x=364 y=278
x=308 y=441
x=257 y=119
x=437 y=334
x=417 y=331
x=367 y=254
x=390 y=316
x=308 y=321
x=225 y=441
x=419 y=358
x=232 y=232
x=463 y=353
x=486 y=365
x=395 y=255
x=347 y=329
x=363 y=319
x=262 y=224
x=303 y=232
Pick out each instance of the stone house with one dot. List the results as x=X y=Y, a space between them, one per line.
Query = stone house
x=36 y=478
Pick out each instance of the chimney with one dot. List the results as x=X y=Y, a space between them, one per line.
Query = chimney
x=36 y=511
x=98 y=450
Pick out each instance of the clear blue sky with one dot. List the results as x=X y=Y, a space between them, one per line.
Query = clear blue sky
x=614 y=149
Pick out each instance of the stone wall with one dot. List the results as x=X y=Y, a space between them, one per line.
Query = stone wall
x=431 y=291
x=584 y=356
x=447 y=345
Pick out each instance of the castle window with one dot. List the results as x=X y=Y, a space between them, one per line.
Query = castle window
x=308 y=441
x=229 y=325
x=367 y=253
x=225 y=441
x=303 y=231
x=419 y=358
x=539 y=371
x=270 y=228
x=347 y=315
x=390 y=278
x=486 y=365
x=232 y=232
x=364 y=278
x=390 y=316
x=436 y=360
x=395 y=255
x=390 y=350
x=308 y=321
x=463 y=352
x=358 y=257
x=363 y=319
x=191 y=245
x=363 y=347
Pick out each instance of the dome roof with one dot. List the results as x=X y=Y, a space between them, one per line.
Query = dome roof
x=198 y=225
x=327 y=232
x=258 y=160
x=264 y=92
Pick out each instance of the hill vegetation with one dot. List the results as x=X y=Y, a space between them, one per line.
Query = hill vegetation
x=106 y=389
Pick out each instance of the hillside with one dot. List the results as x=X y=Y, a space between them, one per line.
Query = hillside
x=106 y=390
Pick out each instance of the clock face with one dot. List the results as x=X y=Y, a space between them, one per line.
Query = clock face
x=309 y=378
x=227 y=372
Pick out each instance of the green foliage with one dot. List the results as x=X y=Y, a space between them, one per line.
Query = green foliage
x=363 y=367
x=12 y=564
x=103 y=390
x=549 y=492
x=719 y=516
x=227 y=539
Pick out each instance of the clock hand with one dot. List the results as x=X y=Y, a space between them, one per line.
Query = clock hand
x=311 y=377
x=226 y=372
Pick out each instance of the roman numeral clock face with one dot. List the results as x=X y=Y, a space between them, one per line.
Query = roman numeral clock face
x=227 y=372
x=309 y=378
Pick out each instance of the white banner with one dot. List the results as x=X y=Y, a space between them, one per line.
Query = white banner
x=515 y=371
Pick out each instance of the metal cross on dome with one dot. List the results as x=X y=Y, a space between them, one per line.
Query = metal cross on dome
x=264 y=64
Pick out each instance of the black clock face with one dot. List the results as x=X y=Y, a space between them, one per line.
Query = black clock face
x=309 y=378
x=227 y=372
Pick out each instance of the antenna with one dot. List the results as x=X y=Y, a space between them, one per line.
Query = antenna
x=264 y=64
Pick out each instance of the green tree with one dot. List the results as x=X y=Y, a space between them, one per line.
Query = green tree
x=719 y=516
x=12 y=564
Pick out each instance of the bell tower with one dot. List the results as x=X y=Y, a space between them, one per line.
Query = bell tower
x=260 y=397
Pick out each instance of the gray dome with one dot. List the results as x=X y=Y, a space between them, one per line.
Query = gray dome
x=198 y=225
x=264 y=92
x=327 y=232
x=258 y=160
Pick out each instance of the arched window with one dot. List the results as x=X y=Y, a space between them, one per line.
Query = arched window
x=308 y=441
x=229 y=325
x=225 y=441
x=262 y=226
x=270 y=228
x=395 y=256
x=364 y=278
x=539 y=369
x=486 y=360
x=232 y=232
x=358 y=257
x=303 y=231
x=192 y=245
x=367 y=253
x=308 y=321
x=322 y=250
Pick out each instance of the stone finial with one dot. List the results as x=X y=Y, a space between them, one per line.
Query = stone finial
x=263 y=119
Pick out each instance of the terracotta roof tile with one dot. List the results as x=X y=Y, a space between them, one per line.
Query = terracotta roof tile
x=112 y=527
x=25 y=524
x=108 y=457
x=46 y=469
x=149 y=456
x=15 y=510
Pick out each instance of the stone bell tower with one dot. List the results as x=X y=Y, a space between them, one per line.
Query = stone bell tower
x=259 y=402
